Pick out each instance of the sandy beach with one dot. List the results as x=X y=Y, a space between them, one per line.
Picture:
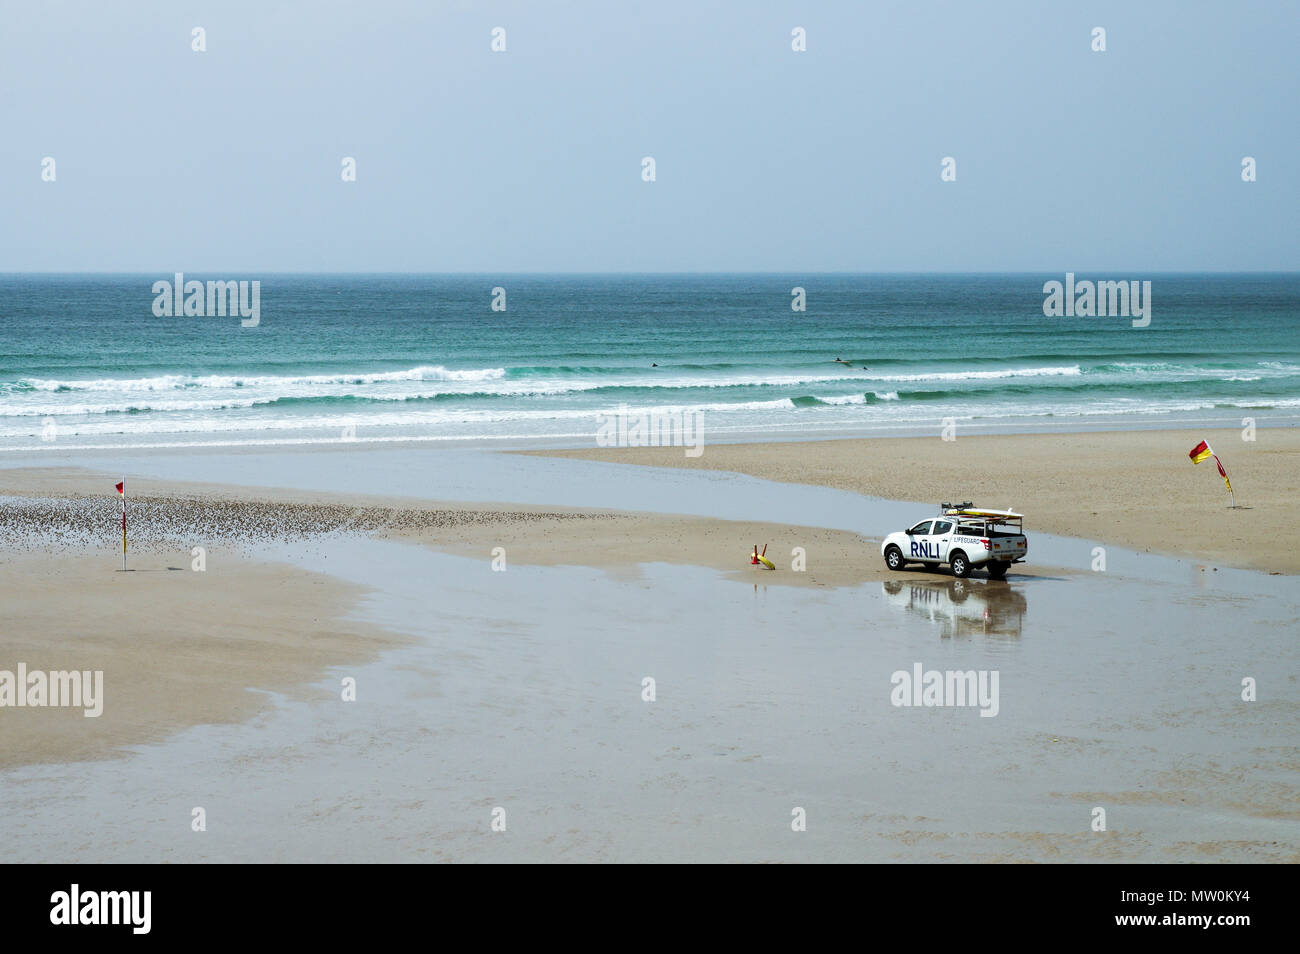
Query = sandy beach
x=521 y=684
x=169 y=516
x=152 y=629
x=1136 y=489
x=177 y=647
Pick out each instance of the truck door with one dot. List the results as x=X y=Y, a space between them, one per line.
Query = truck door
x=917 y=538
x=941 y=538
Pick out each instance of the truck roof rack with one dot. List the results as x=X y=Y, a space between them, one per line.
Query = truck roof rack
x=968 y=510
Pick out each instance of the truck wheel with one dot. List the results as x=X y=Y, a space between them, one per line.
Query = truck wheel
x=998 y=569
x=960 y=565
x=894 y=558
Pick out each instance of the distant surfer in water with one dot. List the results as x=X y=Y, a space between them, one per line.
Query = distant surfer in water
x=653 y=365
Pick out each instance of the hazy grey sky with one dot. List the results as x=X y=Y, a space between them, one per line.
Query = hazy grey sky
x=229 y=160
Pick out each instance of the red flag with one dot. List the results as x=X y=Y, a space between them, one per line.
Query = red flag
x=122 y=495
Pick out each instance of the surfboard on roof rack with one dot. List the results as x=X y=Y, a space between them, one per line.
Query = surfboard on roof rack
x=973 y=512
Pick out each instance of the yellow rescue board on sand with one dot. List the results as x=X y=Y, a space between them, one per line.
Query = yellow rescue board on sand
x=766 y=562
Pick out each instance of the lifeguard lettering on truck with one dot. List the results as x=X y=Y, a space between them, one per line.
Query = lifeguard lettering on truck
x=963 y=537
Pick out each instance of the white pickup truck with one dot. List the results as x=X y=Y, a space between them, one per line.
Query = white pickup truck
x=963 y=537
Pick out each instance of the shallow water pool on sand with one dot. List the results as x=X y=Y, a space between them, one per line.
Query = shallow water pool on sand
x=524 y=690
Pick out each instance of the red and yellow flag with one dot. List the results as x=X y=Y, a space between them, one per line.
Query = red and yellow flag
x=1202 y=451
x=1223 y=473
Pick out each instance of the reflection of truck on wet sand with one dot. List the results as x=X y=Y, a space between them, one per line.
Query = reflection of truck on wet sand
x=964 y=537
x=961 y=607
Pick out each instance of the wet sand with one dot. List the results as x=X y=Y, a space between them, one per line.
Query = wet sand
x=524 y=689
x=1134 y=489
x=169 y=515
x=181 y=647
x=177 y=647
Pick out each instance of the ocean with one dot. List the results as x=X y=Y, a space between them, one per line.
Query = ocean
x=85 y=362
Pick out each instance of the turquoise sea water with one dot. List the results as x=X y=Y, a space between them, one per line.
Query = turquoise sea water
x=85 y=362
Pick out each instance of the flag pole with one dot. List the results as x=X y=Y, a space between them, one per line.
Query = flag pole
x=124 y=523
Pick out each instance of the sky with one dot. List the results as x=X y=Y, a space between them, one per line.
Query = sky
x=766 y=159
